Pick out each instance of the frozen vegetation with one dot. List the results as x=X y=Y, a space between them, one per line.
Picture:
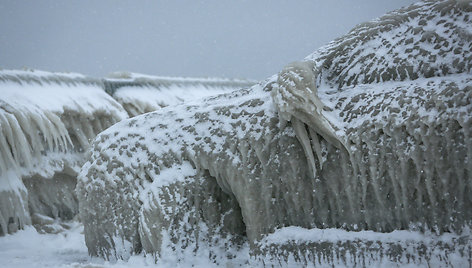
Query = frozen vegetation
x=359 y=155
x=369 y=135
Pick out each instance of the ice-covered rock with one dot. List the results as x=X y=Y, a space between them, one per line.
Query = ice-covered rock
x=371 y=132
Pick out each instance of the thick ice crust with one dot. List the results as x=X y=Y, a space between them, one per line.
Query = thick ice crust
x=334 y=247
x=325 y=144
x=46 y=124
x=47 y=121
x=263 y=165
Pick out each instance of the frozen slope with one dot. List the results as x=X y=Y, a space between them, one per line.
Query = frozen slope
x=369 y=133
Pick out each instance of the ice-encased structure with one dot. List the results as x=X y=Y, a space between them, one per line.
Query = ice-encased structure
x=47 y=121
x=371 y=133
x=140 y=94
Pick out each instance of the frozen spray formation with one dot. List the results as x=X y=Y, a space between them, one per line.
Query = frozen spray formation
x=47 y=121
x=371 y=133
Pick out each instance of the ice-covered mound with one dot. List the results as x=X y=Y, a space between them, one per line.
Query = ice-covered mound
x=350 y=138
x=47 y=121
x=139 y=93
x=183 y=172
x=404 y=128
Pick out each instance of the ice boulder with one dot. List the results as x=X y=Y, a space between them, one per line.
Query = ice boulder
x=371 y=134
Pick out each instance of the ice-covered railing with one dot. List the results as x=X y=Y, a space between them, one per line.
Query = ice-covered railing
x=139 y=93
x=310 y=147
x=47 y=121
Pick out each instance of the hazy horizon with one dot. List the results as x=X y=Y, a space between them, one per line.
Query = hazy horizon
x=235 y=39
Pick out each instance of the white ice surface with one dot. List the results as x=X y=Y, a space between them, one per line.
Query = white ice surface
x=27 y=249
x=303 y=235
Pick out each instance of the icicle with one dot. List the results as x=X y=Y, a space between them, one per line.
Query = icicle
x=61 y=135
x=97 y=125
x=7 y=159
x=316 y=146
x=81 y=137
x=88 y=130
x=302 y=136
x=25 y=124
x=9 y=135
x=23 y=150
x=40 y=120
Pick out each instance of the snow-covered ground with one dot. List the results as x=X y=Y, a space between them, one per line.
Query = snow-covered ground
x=27 y=248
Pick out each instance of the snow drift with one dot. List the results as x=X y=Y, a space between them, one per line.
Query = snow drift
x=371 y=133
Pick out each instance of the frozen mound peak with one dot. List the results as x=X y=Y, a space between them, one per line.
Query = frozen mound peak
x=139 y=93
x=47 y=121
x=390 y=155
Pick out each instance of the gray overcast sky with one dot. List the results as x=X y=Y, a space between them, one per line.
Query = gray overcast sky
x=245 y=39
